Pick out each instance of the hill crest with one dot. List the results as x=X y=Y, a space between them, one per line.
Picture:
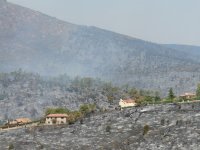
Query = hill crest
x=38 y=43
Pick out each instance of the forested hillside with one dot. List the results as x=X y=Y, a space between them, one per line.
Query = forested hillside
x=45 y=45
x=29 y=95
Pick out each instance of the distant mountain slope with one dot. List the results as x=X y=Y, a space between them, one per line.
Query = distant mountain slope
x=39 y=43
x=193 y=51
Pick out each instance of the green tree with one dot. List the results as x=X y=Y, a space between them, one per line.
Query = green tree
x=157 y=96
x=108 y=128
x=198 y=91
x=134 y=93
x=171 y=95
x=146 y=129
x=11 y=146
x=57 y=111
x=162 y=122
x=87 y=108
x=148 y=99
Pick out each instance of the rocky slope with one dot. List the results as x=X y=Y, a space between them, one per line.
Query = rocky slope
x=168 y=127
x=38 y=43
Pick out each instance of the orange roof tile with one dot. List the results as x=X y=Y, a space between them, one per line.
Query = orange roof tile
x=188 y=94
x=23 y=120
x=57 y=115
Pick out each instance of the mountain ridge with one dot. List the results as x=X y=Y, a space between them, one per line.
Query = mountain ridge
x=29 y=38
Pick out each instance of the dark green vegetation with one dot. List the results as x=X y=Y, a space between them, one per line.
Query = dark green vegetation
x=84 y=110
x=171 y=95
x=11 y=146
x=38 y=43
x=198 y=91
x=145 y=129
x=56 y=111
x=87 y=108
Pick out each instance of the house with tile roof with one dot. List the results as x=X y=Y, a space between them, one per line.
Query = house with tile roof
x=56 y=119
x=20 y=121
x=127 y=103
x=188 y=95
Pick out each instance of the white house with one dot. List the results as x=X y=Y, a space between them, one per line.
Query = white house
x=188 y=95
x=127 y=103
x=56 y=119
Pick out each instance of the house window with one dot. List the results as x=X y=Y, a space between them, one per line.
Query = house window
x=48 y=122
x=62 y=122
x=62 y=117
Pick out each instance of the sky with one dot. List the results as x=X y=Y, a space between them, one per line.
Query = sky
x=160 y=21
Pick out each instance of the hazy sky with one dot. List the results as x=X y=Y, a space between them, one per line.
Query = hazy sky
x=161 y=21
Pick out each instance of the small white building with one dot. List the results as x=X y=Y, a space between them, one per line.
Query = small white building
x=56 y=119
x=127 y=103
x=188 y=95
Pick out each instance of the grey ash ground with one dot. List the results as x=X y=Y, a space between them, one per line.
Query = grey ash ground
x=168 y=127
